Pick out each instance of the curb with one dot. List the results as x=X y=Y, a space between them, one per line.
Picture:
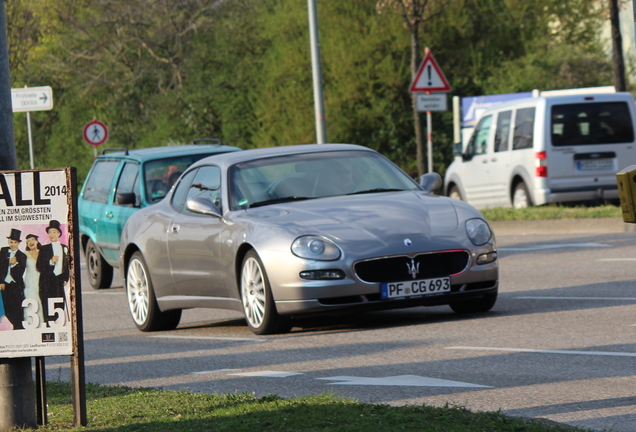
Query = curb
x=562 y=226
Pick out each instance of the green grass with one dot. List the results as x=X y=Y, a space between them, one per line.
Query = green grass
x=126 y=409
x=551 y=212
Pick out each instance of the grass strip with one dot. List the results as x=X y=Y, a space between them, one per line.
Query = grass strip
x=551 y=212
x=127 y=409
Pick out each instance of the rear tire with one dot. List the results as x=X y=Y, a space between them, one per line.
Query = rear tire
x=481 y=305
x=521 y=196
x=142 y=302
x=454 y=193
x=100 y=273
x=258 y=303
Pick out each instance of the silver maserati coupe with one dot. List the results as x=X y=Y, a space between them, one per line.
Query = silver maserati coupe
x=308 y=229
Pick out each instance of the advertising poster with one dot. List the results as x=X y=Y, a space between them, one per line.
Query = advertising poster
x=35 y=269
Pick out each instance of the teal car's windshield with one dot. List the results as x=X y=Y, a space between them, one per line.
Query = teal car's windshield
x=161 y=174
x=313 y=175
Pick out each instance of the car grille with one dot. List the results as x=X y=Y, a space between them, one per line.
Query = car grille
x=397 y=269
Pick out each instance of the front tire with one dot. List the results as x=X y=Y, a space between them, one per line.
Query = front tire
x=454 y=193
x=100 y=273
x=142 y=302
x=481 y=305
x=258 y=302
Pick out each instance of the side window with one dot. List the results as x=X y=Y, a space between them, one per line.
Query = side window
x=129 y=182
x=207 y=183
x=478 y=143
x=524 y=129
x=181 y=191
x=101 y=178
x=502 y=134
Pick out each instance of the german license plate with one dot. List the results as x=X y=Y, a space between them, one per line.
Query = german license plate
x=595 y=165
x=415 y=288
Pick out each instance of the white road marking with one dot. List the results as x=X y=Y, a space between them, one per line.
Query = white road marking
x=210 y=338
x=400 y=380
x=552 y=246
x=576 y=298
x=211 y=371
x=616 y=259
x=524 y=350
x=268 y=374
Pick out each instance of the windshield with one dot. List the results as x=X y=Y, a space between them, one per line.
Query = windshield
x=314 y=175
x=161 y=174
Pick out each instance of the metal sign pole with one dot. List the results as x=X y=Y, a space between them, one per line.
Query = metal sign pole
x=28 y=116
x=429 y=144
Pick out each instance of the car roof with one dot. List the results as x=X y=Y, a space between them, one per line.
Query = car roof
x=560 y=99
x=229 y=159
x=152 y=153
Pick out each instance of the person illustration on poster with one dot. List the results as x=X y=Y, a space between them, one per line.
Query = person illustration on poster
x=52 y=263
x=32 y=282
x=12 y=267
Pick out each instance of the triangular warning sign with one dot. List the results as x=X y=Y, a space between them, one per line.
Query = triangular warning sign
x=429 y=77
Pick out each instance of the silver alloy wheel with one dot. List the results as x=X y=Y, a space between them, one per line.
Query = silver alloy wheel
x=520 y=197
x=253 y=292
x=137 y=291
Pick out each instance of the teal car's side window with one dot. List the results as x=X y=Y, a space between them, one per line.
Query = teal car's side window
x=99 y=183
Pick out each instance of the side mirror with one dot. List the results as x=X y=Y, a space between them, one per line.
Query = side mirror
x=430 y=182
x=202 y=205
x=467 y=157
x=126 y=198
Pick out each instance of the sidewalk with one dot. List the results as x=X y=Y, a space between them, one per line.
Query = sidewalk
x=563 y=226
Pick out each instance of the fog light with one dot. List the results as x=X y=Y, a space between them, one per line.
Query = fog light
x=487 y=258
x=322 y=275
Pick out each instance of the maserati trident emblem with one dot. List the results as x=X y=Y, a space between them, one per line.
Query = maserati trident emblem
x=414 y=269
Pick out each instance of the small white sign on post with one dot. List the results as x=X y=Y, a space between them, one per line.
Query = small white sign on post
x=29 y=99
x=431 y=102
x=32 y=99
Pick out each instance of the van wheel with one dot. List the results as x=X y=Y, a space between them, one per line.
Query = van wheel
x=521 y=197
x=454 y=193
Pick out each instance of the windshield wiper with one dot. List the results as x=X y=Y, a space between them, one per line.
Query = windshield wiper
x=375 y=190
x=278 y=201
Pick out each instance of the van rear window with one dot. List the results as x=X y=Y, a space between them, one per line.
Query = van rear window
x=591 y=123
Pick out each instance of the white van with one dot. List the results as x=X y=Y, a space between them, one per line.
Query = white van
x=544 y=149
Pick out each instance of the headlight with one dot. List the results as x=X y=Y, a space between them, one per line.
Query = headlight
x=478 y=231
x=314 y=247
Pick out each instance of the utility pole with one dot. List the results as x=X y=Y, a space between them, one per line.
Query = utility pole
x=316 y=69
x=7 y=138
x=17 y=394
x=617 y=47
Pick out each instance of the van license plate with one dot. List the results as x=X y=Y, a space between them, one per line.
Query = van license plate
x=595 y=165
x=415 y=288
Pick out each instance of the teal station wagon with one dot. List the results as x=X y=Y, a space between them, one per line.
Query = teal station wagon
x=121 y=182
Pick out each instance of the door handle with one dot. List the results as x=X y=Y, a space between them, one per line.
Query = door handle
x=484 y=161
x=494 y=159
x=109 y=215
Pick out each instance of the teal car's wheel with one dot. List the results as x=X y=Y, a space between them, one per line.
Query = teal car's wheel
x=142 y=302
x=100 y=273
x=258 y=303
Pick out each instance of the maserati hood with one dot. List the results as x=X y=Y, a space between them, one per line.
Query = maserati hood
x=378 y=220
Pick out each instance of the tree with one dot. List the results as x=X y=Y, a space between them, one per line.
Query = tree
x=415 y=14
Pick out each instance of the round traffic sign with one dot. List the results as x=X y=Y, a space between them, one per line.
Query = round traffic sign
x=95 y=133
